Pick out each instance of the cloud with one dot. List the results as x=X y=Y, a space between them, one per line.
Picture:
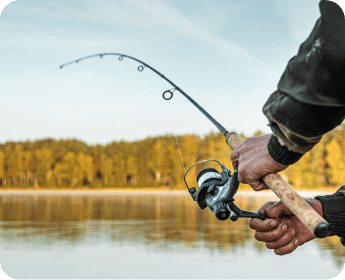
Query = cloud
x=167 y=16
x=147 y=15
x=157 y=14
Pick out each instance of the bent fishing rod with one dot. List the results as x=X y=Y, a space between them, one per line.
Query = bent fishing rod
x=216 y=191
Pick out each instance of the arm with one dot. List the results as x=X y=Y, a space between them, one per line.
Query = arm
x=309 y=102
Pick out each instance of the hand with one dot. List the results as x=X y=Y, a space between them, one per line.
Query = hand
x=284 y=232
x=254 y=162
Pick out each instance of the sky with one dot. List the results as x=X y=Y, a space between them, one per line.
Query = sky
x=228 y=55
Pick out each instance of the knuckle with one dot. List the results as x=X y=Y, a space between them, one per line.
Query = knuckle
x=255 y=186
x=268 y=226
x=286 y=239
x=244 y=169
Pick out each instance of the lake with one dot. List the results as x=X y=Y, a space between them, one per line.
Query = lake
x=100 y=234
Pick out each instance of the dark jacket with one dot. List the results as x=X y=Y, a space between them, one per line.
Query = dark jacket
x=310 y=101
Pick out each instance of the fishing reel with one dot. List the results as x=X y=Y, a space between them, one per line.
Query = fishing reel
x=216 y=191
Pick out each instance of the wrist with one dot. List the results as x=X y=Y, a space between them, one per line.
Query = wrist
x=333 y=208
x=281 y=154
x=316 y=205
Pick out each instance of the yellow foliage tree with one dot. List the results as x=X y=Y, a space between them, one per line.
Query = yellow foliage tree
x=335 y=160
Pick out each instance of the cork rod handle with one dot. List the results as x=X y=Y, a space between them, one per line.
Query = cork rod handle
x=308 y=216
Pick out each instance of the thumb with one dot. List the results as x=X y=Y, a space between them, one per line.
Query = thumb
x=277 y=209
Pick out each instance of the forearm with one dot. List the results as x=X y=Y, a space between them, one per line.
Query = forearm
x=310 y=100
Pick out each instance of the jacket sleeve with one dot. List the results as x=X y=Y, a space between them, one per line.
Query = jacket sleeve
x=333 y=207
x=297 y=127
x=310 y=100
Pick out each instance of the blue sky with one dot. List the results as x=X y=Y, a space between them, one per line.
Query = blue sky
x=227 y=54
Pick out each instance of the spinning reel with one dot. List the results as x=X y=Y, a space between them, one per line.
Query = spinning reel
x=216 y=191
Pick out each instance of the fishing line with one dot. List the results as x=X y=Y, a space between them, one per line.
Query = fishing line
x=178 y=146
x=172 y=124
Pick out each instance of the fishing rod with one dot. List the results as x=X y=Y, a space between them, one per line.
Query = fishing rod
x=216 y=191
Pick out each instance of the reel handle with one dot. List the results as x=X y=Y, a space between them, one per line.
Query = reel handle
x=308 y=216
x=221 y=211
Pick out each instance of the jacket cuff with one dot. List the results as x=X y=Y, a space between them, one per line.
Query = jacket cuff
x=333 y=207
x=281 y=153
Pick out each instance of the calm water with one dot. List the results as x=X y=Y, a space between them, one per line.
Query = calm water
x=163 y=235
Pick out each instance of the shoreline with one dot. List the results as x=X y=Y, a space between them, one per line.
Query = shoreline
x=251 y=193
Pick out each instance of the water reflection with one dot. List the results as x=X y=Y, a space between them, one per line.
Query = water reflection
x=162 y=220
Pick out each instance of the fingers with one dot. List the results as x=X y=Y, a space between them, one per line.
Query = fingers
x=263 y=226
x=287 y=249
x=277 y=236
x=273 y=235
x=240 y=177
x=282 y=241
x=234 y=157
x=245 y=177
x=257 y=185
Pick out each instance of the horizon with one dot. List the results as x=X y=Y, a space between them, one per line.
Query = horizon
x=125 y=140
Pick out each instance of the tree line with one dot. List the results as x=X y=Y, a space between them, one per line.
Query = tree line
x=150 y=163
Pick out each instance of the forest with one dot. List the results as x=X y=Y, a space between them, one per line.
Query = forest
x=154 y=162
